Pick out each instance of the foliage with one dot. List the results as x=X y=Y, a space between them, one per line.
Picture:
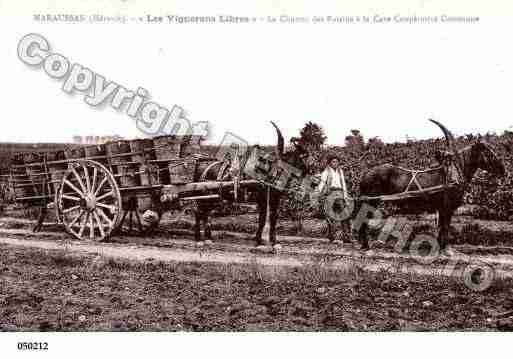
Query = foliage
x=355 y=140
x=310 y=137
x=493 y=196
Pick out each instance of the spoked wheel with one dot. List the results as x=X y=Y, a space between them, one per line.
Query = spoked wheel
x=88 y=201
x=137 y=219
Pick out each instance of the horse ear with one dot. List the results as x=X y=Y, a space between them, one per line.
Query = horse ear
x=299 y=147
x=481 y=144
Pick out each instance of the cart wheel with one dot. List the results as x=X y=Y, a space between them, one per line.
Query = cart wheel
x=136 y=220
x=88 y=201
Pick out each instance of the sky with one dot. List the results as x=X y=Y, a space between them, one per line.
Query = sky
x=383 y=79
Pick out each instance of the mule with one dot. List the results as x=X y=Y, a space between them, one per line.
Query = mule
x=267 y=197
x=457 y=166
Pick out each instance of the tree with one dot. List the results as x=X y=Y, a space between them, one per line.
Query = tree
x=355 y=140
x=375 y=141
x=310 y=137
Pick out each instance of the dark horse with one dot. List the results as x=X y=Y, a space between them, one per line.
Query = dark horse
x=460 y=166
x=266 y=197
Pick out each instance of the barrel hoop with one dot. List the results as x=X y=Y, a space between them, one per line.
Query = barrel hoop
x=209 y=167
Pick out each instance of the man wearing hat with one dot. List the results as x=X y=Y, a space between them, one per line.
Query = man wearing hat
x=333 y=190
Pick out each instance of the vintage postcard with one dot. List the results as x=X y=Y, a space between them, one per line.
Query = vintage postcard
x=171 y=168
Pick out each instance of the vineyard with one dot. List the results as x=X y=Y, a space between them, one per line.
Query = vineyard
x=491 y=198
x=161 y=280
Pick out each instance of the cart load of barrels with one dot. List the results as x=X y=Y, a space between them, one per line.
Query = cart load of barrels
x=133 y=163
x=97 y=189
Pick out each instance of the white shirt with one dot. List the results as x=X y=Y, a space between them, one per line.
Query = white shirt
x=336 y=177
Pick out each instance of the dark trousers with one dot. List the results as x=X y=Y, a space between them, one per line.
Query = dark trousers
x=337 y=207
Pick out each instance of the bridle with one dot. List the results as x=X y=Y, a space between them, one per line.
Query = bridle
x=489 y=158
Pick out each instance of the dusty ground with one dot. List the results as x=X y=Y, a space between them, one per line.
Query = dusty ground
x=163 y=282
x=56 y=290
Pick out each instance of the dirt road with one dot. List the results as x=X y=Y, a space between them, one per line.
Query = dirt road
x=296 y=252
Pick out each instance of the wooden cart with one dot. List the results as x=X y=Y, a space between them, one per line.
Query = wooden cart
x=121 y=185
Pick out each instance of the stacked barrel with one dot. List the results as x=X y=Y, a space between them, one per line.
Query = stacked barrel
x=36 y=171
x=173 y=155
x=144 y=155
x=57 y=166
x=35 y=174
x=72 y=153
x=120 y=161
x=137 y=163
x=96 y=153
x=21 y=180
x=190 y=145
x=166 y=148
x=147 y=162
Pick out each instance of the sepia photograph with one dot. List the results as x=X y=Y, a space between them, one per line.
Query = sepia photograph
x=272 y=178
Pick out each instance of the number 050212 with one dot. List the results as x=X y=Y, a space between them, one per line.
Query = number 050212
x=32 y=346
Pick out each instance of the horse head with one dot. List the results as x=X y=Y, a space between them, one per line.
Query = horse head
x=486 y=159
x=298 y=157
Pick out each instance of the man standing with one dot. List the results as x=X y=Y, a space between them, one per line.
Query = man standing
x=333 y=192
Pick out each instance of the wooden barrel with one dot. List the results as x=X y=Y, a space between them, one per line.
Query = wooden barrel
x=74 y=152
x=190 y=145
x=120 y=159
x=167 y=147
x=182 y=171
x=95 y=151
x=144 y=145
x=20 y=177
x=56 y=170
x=144 y=153
x=118 y=151
x=35 y=170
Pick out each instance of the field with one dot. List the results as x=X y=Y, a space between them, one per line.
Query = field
x=163 y=282
x=55 y=290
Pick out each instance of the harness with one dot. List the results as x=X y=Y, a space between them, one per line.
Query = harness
x=447 y=166
x=221 y=176
x=413 y=180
